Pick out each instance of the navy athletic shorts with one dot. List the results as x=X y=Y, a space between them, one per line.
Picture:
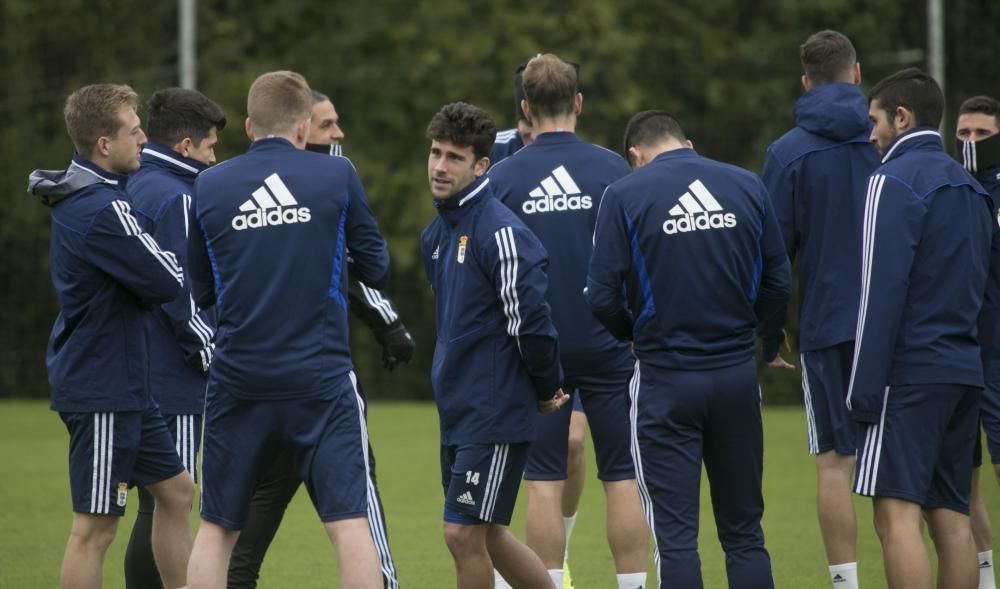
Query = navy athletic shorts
x=922 y=448
x=326 y=436
x=605 y=403
x=110 y=452
x=185 y=429
x=481 y=481
x=826 y=374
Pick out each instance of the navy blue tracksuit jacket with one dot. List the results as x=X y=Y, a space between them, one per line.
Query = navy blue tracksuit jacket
x=697 y=247
x=497 y=352
x=555 y=185
x=268 y=245
x=926 y=251
x=816 y=175
x=180 y=334
x=107 y=273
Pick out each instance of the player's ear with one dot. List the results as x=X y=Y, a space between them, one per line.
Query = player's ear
x=249 y=128
x=482 y=164
x=526 y=110
x=578 y=104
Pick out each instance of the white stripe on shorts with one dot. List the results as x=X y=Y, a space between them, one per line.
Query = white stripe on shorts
x=813 y=438
x=376 y=521
x=104 y=441
x=493 y=480
x=871 y=454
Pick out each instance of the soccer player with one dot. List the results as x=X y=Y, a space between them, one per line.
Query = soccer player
x=280 y=481
x=555 y=185
x=978 y=135
x=496 y=359
x=816 y=175
x=182 y=126
x=107 y=271
x=687 y=261
x=509 y=141
x=270 y=237
x=917 y=373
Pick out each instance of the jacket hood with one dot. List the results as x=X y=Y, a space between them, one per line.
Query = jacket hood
x=836 y=111
x=51 y=186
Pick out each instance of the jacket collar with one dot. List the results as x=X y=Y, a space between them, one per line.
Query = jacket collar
x=916 y=139
x=676 y=153
x=163 y=157
x=454 y=208
x=553 y=137
x=271 y=143
x=85 y=165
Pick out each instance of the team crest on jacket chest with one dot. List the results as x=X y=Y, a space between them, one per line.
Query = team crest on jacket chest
x=462 y=242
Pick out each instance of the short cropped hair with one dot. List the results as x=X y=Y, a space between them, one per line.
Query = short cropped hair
x=176 y=113
x=464 y=125
x=913 y=90
x=319 y=97
x=650 y=127
x=278 y=100
x=550 y=86
x=981 y=105
x=827 y=56
x=92 y=112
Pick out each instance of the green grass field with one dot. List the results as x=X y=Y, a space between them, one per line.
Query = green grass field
x=35 y=518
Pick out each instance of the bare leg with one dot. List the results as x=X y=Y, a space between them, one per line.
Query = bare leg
x=516 y=562
x=473 y=566
x=628 y=535
x=956 y=551
x=835 y=506
x=576 y=468
x=897 y=523
x=210 y=556
x=982 y=530
x=89 y=539
x=544 y=531
x=357 y=560
x=172 y=527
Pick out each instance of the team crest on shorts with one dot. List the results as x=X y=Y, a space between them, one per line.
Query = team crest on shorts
x=122 y=494
x=462 y=242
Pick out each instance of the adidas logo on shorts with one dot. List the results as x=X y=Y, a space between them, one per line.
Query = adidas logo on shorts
x=558 y=192
x=697 y=210
x=466 y=498
x=271 y=204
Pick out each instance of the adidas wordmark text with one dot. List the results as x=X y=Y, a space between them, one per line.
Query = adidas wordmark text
x=271 y=204
x=697 y=210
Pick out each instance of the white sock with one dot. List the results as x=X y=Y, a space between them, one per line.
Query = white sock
x=844 y=576
x=986 y=579
x=568 y=523
x=557 y=577
x=499 y=582
x=631 y=581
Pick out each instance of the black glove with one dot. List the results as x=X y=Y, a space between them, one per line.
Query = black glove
x=397 y=345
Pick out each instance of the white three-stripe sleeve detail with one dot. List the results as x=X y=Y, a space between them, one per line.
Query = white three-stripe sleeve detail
x=131 y=227
x=875 y=184
x=508 y=280
x=378 y=302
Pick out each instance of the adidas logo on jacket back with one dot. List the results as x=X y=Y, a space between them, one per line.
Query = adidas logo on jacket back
x=271 y=204
x=697 y=210
x=557 y=192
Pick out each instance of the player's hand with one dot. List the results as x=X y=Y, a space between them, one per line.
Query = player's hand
x=558 y=400
x=397 y=347
x=778 y=361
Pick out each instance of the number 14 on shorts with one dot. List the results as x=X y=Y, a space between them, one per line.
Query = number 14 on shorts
x=471 y=478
